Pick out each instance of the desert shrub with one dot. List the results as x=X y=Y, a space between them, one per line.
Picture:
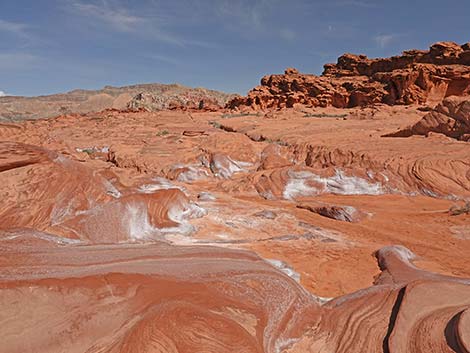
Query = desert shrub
x=324 y=115
x=458 y=210
x=215 y=124
x=238 y=115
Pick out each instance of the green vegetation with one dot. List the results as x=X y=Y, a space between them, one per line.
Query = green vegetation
x=162 y=133
x=458 y=210
x=238 y=115
x=277 y=142
x=89 y=150
x=324 y=115
x=215 y=124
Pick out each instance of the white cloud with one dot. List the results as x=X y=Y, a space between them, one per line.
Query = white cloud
x=384 y=40
x=2 y=94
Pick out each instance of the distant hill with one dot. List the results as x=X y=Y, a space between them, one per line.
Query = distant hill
x=83 y=101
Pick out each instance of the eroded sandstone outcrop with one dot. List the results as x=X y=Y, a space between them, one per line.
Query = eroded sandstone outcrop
x=338 y=212
x=451 y=118
x=169 y=232
x=416 y=76
x=189 y=101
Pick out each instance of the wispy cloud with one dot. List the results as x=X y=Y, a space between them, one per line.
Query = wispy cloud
x=17 y=60
x=25 y=35
x=339 y=31
x=245 y=13
x=164 y=59
x=251 y=18
x=16 y=28
x=356 y=3
x=287 y=34
x=116 y=17
x=384 y=40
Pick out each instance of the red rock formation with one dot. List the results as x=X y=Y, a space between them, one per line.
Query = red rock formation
x=451 y=118
x=162 y=298
x=100 y=253
x=355 y=80
x=340 y=213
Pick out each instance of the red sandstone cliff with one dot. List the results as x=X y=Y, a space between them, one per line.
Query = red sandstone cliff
x=416 y=76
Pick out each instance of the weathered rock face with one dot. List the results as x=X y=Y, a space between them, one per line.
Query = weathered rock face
x=190 y=101
x=416 y=76
x=151 y=232
x=451 y=118
x=151 y=96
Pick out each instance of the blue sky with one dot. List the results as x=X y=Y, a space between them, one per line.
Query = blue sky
x=50 y=46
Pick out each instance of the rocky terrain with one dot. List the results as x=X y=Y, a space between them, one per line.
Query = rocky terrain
x=451 y=118
x=145 y=96
x=304 y=229
x=416 y=76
